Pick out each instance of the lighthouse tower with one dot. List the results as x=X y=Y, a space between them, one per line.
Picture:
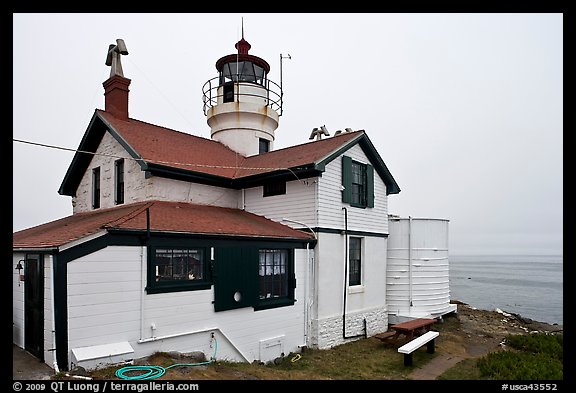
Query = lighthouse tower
x=241 y=104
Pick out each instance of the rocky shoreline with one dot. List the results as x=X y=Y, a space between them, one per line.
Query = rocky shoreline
x=472 y=332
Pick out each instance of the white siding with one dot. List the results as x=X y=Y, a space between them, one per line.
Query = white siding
x=330 y=204
x=365 y=301
x=104 y=294
x=298 y=204
x=137 y=188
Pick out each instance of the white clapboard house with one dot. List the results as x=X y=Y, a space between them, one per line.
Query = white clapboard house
x=175 y=239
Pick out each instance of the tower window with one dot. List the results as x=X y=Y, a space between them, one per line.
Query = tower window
x=264 y=146
x=228 y=92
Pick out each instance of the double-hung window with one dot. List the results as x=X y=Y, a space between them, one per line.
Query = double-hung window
x=355 y=261
x=357 y=183
x=276 y=278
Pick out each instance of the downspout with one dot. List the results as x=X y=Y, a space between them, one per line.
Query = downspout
x=365 y=334
x=307 y=280
x=54 y=358
x=143 y=273
x=142 y=289
x=410 y=265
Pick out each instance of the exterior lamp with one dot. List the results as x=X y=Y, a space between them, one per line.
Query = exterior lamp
x=19 y=267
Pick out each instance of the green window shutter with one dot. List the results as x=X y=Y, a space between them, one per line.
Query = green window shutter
x=346 y=179
x=235 y=271
x=369 y=186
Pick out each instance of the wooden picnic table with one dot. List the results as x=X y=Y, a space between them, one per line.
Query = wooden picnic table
x=416 y=327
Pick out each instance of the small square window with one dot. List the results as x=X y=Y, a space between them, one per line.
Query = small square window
x=263 y=146
x=274 y=188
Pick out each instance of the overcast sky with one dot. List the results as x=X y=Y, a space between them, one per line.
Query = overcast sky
x=466 y=110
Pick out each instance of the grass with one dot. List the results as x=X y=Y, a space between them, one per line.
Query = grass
x=368 y=359
x=530 y=357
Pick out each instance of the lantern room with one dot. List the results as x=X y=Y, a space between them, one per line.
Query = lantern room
x=241 y=104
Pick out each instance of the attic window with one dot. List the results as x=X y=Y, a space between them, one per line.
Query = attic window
x=274 y=188
x=119 y=181
x=357 y=183
x=96 y=188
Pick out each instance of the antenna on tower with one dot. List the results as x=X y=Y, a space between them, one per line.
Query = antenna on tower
x=281 y=90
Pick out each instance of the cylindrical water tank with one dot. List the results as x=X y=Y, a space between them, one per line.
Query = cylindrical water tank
x=417 y=273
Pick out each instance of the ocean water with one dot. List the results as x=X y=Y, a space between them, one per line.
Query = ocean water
x=529 y=285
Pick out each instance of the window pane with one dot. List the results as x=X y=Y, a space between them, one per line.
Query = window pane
x=273 y=274
x=355 y=262
x=163 y=265
x=179 y=264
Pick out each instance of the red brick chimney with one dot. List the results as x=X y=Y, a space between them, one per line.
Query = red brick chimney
x=116 y=96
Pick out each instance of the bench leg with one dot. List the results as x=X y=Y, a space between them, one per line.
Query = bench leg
x=407 y=359
x=430 y=346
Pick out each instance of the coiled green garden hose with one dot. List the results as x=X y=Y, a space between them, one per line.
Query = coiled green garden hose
x=153 y=372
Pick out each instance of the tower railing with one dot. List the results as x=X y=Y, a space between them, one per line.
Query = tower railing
x=271 y=93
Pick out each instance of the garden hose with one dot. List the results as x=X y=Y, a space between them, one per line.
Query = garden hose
x=153 y=372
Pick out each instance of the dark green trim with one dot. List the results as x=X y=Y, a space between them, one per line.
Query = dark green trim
x=369 y=186
x=187 y=175
x=122 y=142
x=80 y=162
x=346 y=179
x=60 y=271
x=335 y=154
x=153 y=287
x=166 y=239
x=335 y=231
x=274 y=303
x=174 y=287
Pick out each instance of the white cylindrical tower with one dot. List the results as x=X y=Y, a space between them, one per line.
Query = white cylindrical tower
x=417 y=270
x=241 y=104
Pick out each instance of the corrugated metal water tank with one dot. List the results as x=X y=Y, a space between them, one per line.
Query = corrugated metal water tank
x=418 y=271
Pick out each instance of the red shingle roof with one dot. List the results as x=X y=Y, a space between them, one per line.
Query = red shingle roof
x=180 y=150
x=164 y=217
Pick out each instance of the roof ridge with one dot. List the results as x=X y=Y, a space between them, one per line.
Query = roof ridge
x=307 y=143
x=166 y=128
x=122 y=219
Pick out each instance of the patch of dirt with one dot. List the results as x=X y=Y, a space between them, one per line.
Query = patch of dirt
x=472 y=332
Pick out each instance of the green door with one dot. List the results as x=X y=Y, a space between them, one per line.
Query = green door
x=235 y=277
x=34 y=305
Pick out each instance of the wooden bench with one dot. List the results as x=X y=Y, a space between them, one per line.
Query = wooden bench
x=408 y=348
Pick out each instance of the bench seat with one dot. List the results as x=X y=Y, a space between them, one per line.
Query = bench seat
x=409 y=347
